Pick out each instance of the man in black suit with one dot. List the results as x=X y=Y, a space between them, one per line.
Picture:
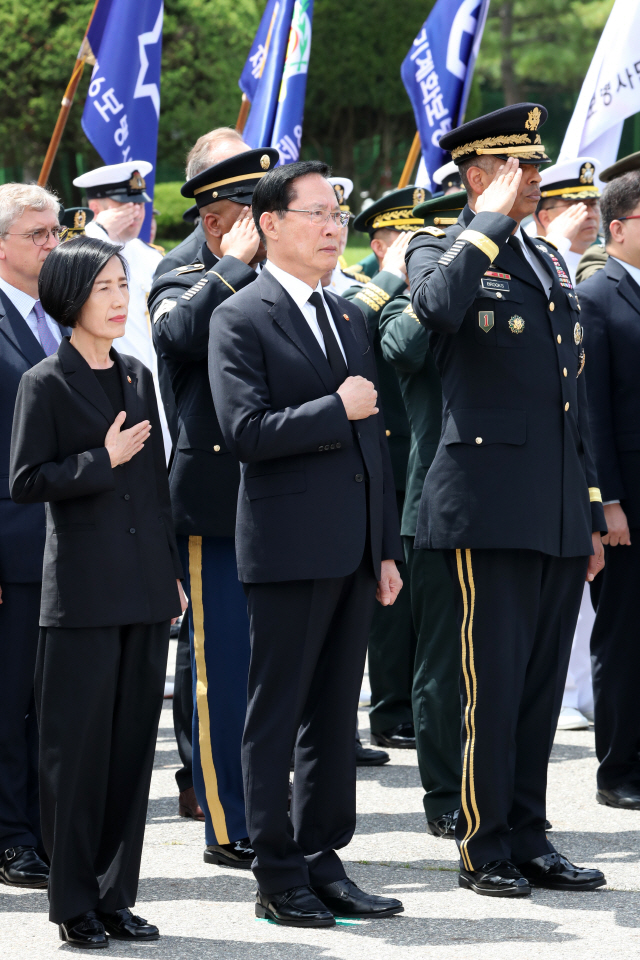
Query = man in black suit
x=293 y=377
x=28 y=233
x=511 y=494
x=610 y=302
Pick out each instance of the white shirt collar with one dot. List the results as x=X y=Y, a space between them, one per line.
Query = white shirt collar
x=633 y=272
x=298 y=290
x=22 y=301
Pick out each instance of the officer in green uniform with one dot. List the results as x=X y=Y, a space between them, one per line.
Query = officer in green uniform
x=436 y=698
x=392 y=643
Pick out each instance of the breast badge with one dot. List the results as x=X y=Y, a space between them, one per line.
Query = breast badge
x=577 y=334
x=516 y=325
x=485 y=320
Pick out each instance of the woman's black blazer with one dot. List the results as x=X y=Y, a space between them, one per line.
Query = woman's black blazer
x=110 y=556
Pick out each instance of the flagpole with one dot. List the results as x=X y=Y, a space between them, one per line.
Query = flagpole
x=245 y=106
x=65 y=107
x=412 y=159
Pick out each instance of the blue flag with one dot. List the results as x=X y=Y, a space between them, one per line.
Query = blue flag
x=438 y=69
x=122 y=109
x=287 y=129
x=262 y=76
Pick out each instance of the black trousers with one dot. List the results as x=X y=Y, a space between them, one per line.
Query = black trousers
x=99 y=694
x=436 y=692
x=517 y=611
x=183 y=707
x=615 y=661
x=19 y=804
x=308 y=646
x=392 y=654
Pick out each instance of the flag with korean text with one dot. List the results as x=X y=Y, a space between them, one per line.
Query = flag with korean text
x=287 y=128
x=122 y=108
x=261 y=77
x=610 y=91
x=438 y=69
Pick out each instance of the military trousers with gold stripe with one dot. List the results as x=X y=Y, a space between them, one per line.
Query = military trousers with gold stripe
x=219 y=640
x=516 y=612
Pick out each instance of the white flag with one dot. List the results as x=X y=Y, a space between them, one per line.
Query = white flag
x=610 y=91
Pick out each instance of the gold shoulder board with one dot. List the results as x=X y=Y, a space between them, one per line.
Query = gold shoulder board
x=191 y=268
x=431 y=231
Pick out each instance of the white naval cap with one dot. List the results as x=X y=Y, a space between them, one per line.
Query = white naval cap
x=342 y=187
x=571 y=179
x=123 y=182
x=449 y=171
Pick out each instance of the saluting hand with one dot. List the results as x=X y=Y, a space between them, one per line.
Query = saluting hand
x=500 y=195
x=394 y=257
x=243 y=240
x=569 y=223
x=124 y=444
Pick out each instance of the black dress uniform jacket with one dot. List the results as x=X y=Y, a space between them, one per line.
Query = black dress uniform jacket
x=309 y=475
x=514 y=467
x=610 y=301
x=185 y=252
x=110 y=555
x=205 y=475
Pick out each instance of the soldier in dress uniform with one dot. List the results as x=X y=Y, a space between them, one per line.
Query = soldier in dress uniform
x=392 y=642
x=117 y=194
x=511 y=494
x=204 y=484
x=436 y=699
x=73 y=221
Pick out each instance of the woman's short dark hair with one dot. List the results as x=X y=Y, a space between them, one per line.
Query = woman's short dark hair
x=69 y=273
x=275 y=191
x=619 y=199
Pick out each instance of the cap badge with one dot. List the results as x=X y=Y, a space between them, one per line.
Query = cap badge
x=587 y=172
x=485 y=320
x=516 y=325
x=419 y=196
x=338 y=189
x=136 y=182
x=265 y=161
x=79 y=220
x=533 y=119
x=577 y=334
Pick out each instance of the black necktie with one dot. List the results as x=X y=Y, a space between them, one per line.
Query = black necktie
x=334 y=353
x=516 y=246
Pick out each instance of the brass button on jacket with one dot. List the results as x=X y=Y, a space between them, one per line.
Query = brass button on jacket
x=216 y=448
x=478 y=439
x=566 y=406
x=552 y=306
x=559 y=338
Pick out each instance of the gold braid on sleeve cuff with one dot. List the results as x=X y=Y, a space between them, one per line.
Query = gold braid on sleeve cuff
x=488 y=247
x=594 y=495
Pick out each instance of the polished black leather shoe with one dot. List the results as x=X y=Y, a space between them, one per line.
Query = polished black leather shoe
x=124 y=925
x=444 y=826
x=22 y=867
x=345 y=899
x=626 y=796
x=402 y=737
x=548 y=825
x=365 y=757
x=555 y=872
x=85 y=931
x=240 y=854
x=498 y=878
x=298 y=907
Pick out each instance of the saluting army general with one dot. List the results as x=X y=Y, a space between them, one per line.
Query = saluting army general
x=204 y=483
x=511 y=495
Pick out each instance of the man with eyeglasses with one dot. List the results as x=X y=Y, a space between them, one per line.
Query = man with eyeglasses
x=29 y=230
x=294 y=384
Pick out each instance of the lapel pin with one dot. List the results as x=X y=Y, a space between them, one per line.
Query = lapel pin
x=129 y=379
x=346 y=316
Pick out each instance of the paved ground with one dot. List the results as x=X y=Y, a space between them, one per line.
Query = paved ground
x=206 y=913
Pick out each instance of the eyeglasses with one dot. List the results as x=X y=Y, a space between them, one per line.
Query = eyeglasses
x=636 y=216
x=41 y=236
x=318 y=218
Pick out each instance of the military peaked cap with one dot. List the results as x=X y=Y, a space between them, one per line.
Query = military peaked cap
x=232 y=179
x=509 y=132
x=392 y=212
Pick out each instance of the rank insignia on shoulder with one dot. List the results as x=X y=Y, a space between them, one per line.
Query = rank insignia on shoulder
x=485 y=320
x=516 y=325
x=190 y=268
x=577 y=334
x=432 y=231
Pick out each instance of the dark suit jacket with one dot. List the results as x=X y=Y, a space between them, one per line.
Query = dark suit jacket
x=309 y=475
x=610 y=302
x=204 y=475
x=110 y=556
x=514 y=467
x=21 y=527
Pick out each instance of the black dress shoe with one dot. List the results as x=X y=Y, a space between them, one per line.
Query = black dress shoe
x=444 y=826
x=555 y=872
x=370 y=758
x=22 y=867
x=345 y=899
x=498 y=878
x=240 y=854
x=626 y=796
x=548 y=825
x=402 y=737
x=85 y=931
x=124 y=925
x=298 y=907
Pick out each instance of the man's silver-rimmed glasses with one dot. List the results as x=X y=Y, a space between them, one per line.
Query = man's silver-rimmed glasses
x=319 y=218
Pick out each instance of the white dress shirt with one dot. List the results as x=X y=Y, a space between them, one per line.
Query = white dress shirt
x=299 y=291
x=23 y=303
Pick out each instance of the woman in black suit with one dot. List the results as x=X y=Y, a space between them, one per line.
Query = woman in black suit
x=87 y=441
